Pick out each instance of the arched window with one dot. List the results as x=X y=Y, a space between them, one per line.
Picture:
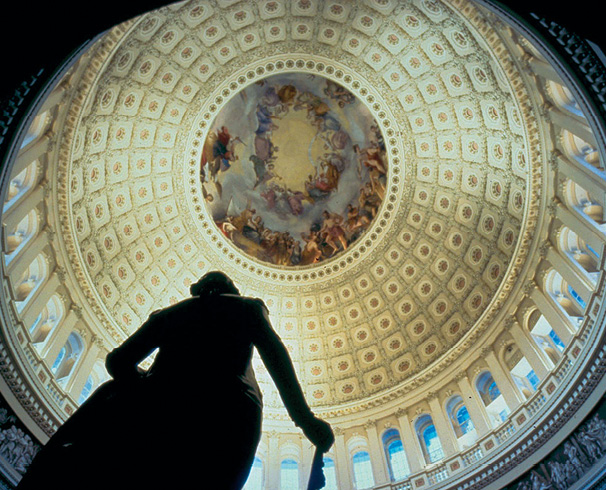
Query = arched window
x=23 y=233
x=47 y=320
x=428 y=437
x=68 y=356
x=36 y=128
x=461 y=421
x=86 y=391
x=255 y=478
x=362 y=470
x=564 y=297
x=580 y=150
x=563 y=98
x=97 y=376
x=396 y=457
x=30 y=281
x=584 y=204
x=493 y=400
x=577 y=297
x=545 y=337
x=289 y=474
x=20 y=184
x=330 y=474
x=583 y=257
x=521 y=371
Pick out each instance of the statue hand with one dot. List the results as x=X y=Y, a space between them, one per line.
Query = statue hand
x=319 y=433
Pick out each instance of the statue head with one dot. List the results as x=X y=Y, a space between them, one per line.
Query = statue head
x=214 y=282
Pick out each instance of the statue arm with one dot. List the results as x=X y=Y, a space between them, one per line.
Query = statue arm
x=122 y=362
x=279 y=364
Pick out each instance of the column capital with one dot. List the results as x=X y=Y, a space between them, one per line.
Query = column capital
x=486 y=351
x=338 y=431
x=431 y=395
x=529 y=287
x=401 y=412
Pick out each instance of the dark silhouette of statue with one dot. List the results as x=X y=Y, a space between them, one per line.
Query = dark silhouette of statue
x=193 y=419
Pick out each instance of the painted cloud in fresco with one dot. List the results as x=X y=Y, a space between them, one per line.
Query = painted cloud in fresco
x=293 y=169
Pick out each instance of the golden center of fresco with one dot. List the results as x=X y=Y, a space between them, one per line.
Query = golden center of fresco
x=293 y=169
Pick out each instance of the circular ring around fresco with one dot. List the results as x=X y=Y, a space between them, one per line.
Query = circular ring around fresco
x=294 y=169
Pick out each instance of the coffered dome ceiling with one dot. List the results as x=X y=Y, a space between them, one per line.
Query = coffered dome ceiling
x=234 y=135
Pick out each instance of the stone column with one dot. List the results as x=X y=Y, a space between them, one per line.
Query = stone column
x=30 y=153
x=410 y=441
x=578 y=280
x=27 y=255
x=59 y=338
x=377 y=454
x=575 y=125
x=444 y=429
x=273 y=463
x=13 y=215
x=84 y=367
x=591 y=179
x=35 y=305
x=559 y=322
x=543 y=69
x=583 y=227
x=342 y=460
x=530 y=350
x=307 y=454
x=56 y=340
x=506 y=386
x=475 y=406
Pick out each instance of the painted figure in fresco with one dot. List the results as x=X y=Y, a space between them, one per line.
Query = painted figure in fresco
x=295 y=201
x=372 y=159
x=143 y=422
x=339 y=93
x=369 y=200
x=218 y=154
x=287 y=94
x=264 y=120
x=378 y=137
x=311 y=251
x=223 y=151
x=332 y=231
x=338 y=147
x=355 y=224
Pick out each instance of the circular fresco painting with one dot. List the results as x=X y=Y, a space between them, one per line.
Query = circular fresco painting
x=293 y=169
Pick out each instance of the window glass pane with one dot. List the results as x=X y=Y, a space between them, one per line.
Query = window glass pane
x=464 y=420
x=533 y=379
x=88 y=386
x=255 y=479
x=576 y=296
x=289 y=475
x=58 y=360
x=362 y=470
x=493 y=391
x=592 y=251
x=432 y=443
x=330 y=474
x=557 y=341
x=397 y=460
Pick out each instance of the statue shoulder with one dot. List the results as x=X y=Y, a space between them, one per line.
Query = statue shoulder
x=255 y=303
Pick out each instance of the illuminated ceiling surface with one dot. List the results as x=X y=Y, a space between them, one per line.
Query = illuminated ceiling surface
x=435 y=99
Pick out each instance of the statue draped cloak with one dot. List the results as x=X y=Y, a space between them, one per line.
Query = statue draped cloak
x=194 y=417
